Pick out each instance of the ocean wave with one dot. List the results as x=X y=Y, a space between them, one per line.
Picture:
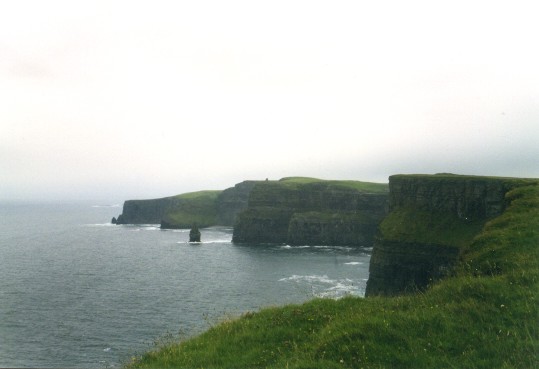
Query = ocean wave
x=107 y=206
x=140 y=227
x=319 y=247
x=100 y=225
x=340 y=248
x=308 y=278
x=204 y=242
x=288 y=247
x=151 y=228
x=354 y=263
x=325 y=287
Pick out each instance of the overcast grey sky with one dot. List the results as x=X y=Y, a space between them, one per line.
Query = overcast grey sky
x=130 y=99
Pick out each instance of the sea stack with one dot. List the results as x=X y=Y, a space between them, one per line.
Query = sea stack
x=194 y=234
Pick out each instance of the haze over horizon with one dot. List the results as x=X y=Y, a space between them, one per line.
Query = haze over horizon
x=113 y=100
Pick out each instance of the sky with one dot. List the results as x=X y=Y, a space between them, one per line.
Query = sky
x=115 y=100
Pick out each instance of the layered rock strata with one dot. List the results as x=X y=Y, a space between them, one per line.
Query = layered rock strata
x=206 y=208
x=432 y=219
x=312 y=212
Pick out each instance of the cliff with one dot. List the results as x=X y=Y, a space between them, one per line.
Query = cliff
x=145 y=211
x=312 y=211
x=194 y=208
x=232 y=201
x=204 y=208
x=483 y=316
x=432 y=219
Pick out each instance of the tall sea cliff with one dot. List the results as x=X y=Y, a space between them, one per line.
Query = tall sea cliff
x=480 y=232
x=308 y=211
x=203 y=208
x=293 y=210
x=432 y=219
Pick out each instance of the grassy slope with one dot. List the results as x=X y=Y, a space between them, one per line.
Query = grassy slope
x=485 y=317
x=428 y=227
x=195 y=207
x=356 y=185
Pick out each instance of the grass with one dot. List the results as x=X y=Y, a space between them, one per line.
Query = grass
x=486 y=316
x=369 y=187
x=193 y=208
x=429 y=227
x=206 y=194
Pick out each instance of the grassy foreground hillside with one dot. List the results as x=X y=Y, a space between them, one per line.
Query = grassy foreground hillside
x=486 y=316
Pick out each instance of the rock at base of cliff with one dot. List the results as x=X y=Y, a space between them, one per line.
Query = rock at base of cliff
x=194 y=234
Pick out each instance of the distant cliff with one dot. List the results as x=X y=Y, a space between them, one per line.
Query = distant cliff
x=302 y=211
x=194 y=208
x=205 y=208
x=145 y=211
x=232 y=201
x=432 y=219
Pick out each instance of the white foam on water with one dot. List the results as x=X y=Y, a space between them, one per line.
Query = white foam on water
x=141 y=227
x=203 y=242
x=100 y=225
x=175 y=230
x=354 y=263
x=343 y=248
x=152 y=228
x=341 y=289
x=106 y=206
x=288 y=247
x=307 y=278
x=325 y=287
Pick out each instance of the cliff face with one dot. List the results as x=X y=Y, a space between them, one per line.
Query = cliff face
x=466 y=197
x=431 y=220
x=312 y=212
x=145 y=211
x=232 y=201
x=329 y=228
x=205 y=208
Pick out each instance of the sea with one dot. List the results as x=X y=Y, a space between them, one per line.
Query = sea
x=79 y=292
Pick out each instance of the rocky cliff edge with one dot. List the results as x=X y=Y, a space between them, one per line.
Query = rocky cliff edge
x=432 y=219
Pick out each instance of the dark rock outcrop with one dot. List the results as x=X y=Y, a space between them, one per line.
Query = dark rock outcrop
x=399 y=267
x=311 y=212
x=432 y=218
x=194 y=234
x=145 y=211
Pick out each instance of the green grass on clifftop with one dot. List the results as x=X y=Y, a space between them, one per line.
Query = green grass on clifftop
x=486 y=316
x=370 y=187
x=193 y=208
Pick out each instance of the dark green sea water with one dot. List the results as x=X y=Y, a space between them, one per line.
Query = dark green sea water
x=78 y=292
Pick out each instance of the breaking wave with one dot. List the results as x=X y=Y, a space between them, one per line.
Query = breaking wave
x=325 y=287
